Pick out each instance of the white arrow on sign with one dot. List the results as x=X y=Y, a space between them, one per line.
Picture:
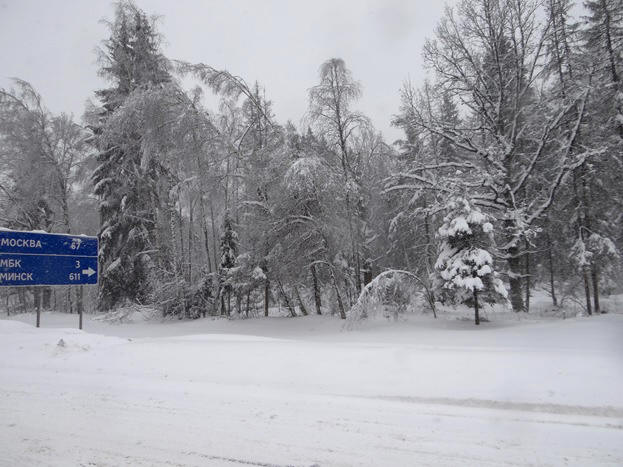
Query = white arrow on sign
x=89 y=272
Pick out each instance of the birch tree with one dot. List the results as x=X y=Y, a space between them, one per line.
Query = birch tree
x=330 y=108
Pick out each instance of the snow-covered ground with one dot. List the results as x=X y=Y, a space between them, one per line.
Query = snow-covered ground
x=303 y=392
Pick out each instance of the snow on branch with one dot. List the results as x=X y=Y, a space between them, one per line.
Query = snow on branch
x=221 y=82
x=392 y=288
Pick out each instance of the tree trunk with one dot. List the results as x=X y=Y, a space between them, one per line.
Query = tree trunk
x=367 y=272
x=190 y=241
x=300 y=300
x=550 y=259
x=46 y=297
x=340 y=303
x=36 y=295
x=514 y=279
x=595 y=280
x=428 y=240
x=514 y=263
x=286 y=299
x=214 y=241
x=357 y=268
x=180 y=226
x=21 y=296
x=217 y=299
x=38 y=301
x=266 y=295
x=317 y=300
x=587 y=290
x=79 y=304
x=174 y=232
x=476 y=315
x=247 y=307
x=349 y=294
x=527 y=305
x=206 y=241
x=587 y=202
x=176 y=243
x=586 y=231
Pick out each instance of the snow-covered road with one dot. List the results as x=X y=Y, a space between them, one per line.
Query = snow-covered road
x=300 y=392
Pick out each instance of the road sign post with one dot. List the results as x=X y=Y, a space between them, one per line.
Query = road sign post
x=30 y=259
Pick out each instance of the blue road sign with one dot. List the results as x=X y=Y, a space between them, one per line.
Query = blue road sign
x=32 y=258
x=15 y=241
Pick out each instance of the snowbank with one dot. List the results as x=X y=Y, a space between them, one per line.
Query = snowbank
x=302 y=392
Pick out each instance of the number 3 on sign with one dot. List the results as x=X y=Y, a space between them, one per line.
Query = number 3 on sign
x=77 y=264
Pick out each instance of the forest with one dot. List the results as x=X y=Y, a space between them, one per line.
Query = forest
x=506 y=179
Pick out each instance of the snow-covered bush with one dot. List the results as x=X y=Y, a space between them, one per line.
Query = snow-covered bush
x=388 y=295
x=128 y=312
x=464 y=271
x=594 y=249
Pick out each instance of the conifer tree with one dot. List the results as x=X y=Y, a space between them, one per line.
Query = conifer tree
x=125 y=181
x=229 y=254
x=464 y=268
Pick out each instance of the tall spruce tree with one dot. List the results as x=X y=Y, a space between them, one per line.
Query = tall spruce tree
x=126 y=182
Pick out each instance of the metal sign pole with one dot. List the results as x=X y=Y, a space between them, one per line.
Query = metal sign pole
x=38 y=309
x=80 y=306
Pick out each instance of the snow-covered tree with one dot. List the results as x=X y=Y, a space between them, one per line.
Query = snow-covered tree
x=40 y=159
x=303 y=243
x=596 y=184
x=594 y=249
x=229 y=253
x=518 y=145
x=126 y=181
x=330 y=109
x=464 y=271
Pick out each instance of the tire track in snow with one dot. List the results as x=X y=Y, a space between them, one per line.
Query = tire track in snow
x=234 y=460
x=548 y=408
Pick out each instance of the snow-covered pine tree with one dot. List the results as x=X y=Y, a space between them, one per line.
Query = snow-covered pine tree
x=464 y=271
x=229 y=253
x=124 y=182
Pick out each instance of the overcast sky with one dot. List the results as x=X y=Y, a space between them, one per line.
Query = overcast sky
x=280 y=43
